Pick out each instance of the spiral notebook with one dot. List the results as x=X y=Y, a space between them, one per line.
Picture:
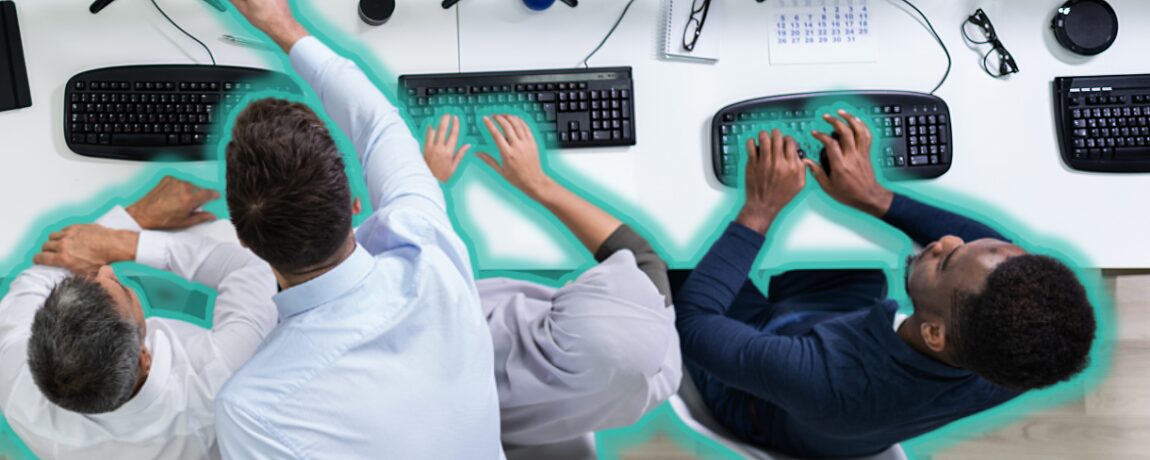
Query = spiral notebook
x=707 y=47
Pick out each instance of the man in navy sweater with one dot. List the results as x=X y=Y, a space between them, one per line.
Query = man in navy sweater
x=822 y=366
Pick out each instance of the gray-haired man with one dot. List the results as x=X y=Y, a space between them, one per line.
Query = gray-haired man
x=83 y=374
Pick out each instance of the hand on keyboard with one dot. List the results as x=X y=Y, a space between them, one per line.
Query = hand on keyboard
x=775 y=175
x=439 y=148
x=519 y=152
x=848 y=154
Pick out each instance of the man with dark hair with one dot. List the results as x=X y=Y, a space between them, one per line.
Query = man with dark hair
x=83 y=374
x=381 y=350
x=823 y=366
x=288 y=192
x=599 y=352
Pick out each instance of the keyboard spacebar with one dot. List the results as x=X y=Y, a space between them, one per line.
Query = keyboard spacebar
x=139 y=140
x=1127 y=153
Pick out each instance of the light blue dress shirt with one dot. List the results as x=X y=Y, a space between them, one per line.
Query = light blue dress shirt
x=388 y=354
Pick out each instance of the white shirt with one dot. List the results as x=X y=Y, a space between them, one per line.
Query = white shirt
x=386 y=355
x=171 y=417
x=595 y=354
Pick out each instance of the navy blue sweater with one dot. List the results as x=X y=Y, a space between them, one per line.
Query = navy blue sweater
x=845 y=385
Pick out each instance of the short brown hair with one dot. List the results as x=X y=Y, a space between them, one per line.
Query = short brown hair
x=287 y=190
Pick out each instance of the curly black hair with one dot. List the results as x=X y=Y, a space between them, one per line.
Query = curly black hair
x=1031 y=327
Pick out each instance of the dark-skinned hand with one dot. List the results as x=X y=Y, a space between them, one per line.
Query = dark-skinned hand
x=853 y=182
x=774 y=176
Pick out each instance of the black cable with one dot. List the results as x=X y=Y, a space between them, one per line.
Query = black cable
x=940 y=43
x=161 y=10
x=609 y=33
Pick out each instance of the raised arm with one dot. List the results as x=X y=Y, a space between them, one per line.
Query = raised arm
x=851 y=181
x=392 y=164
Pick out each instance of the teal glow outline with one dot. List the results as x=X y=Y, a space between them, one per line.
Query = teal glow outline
x=612 y=443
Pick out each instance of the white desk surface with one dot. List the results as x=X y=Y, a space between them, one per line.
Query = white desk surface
x=1006 y=152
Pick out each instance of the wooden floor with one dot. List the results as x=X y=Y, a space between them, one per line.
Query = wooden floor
x=1112 y=421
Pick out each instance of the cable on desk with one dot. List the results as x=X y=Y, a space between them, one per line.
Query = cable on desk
x=609 y=33
x=193 y=37
x=930 y=27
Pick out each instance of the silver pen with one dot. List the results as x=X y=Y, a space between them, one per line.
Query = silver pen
x=240 y=41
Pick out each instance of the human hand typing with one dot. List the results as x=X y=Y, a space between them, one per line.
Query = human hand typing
x=83 y=249
x=274 y=18
x=775 y=175
x=520 y=155
x=852 y=181
x=439 y=148
x=172 y=205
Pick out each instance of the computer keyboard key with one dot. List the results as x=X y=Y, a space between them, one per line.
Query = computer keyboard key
x=567 y=109
x=921 y=129
x=133 y=111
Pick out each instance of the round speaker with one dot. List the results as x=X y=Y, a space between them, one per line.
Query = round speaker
x=376 y=12
x=1085 y=27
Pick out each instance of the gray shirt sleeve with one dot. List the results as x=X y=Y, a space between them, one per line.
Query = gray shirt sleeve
x=649 y=262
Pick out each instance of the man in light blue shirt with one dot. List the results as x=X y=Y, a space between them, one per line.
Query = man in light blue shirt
x=382 y=350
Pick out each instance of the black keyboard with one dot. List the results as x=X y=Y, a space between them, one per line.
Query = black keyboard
x=911 y=131
x=1104 y=122
x=571 y=108
x=157 y=112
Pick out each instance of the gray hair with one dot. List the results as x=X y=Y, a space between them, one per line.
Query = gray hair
x=84 y=353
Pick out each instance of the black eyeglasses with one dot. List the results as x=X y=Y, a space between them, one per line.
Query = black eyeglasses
x=998 y=57
x=695 y=24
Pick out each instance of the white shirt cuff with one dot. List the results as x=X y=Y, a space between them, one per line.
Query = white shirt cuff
x=118 y=218
x=152 y=249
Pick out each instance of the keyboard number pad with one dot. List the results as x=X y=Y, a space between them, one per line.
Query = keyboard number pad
x=926 y=141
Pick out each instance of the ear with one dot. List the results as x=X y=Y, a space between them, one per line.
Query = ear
x=355 y=207
x=145 y=359
x=933 y=335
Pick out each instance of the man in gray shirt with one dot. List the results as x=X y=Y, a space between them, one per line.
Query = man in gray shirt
x=599 y=352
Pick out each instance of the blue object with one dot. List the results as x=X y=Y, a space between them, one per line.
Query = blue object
x=539 y=5
x=834 y=381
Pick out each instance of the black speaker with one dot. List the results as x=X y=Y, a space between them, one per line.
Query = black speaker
x=376 y=12
x=1085 y=27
